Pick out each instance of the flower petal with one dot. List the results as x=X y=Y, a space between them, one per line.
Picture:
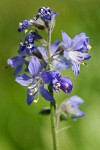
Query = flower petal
x=44 y=93
x=43 y=52
x=30 y=98
x=66 y=55
x=54 y=47
x=60 y=64
x=34 y=67
x=78 y=114
x=86 y=56
x=15 y=61
x=75 y=68
x=76 y=101
x=66 y=84
x=66 y=39
x=23 y=79
x=48 y=76
x=18 y=69
x=78 y=41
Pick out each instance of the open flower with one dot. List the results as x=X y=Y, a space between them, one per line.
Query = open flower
x=57 y=61
x=57 y=81
x=71 y=107
x=76 y=50
x=34 y=82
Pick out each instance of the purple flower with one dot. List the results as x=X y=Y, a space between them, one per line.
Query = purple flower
x=71 y=107
x=35 y=83
x=76 y=50
x=58 y=62
x=57 y=81
x=28 y=46
x=24 y=25
x=46 y=14
x=25 y=51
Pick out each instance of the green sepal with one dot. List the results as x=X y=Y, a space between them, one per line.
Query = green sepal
x=39 y=24
x=39 y=38
x=63 y=116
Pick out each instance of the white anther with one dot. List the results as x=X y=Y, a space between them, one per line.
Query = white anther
x=41 y=10
x=48 y=13
x=57 y=85
x=20 y=23
x=89 y=47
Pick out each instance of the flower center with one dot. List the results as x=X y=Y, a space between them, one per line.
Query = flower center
x=57 y=85
x=32 y=90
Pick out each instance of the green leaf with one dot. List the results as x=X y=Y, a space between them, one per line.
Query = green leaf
x=45 y=111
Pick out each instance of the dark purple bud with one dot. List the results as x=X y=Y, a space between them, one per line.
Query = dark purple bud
x=24 y=25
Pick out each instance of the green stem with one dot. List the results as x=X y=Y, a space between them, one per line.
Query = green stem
x=52 y=118
x=48 y=47
x=53 y=129
x=52 y=105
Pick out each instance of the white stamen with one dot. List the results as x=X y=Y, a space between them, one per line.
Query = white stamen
x=41 y=10
x=30 y=46
x=48 y=13
x=89 y=47
x=57 y=85
x=32 y=90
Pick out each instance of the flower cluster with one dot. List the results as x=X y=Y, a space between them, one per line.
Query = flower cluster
x=41 y=62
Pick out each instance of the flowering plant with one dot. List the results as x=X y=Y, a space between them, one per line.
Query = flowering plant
x=42 y=64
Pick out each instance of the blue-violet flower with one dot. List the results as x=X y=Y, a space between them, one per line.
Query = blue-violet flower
x=24 y=25
x=25 y=51
x=76 y=50
x=28 y=46
x=57 y=81
x=71 y=107
x=34 y=82
x=46 y=14
x=57 y=61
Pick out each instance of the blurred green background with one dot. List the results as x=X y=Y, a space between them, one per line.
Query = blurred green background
x=21 y=127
